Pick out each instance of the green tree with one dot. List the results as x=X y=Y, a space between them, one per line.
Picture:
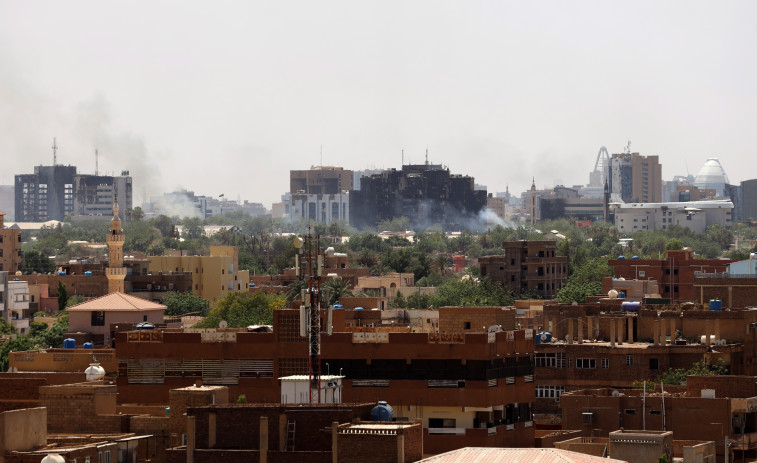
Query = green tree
x=182 y=303
x=62 y=295
x=34 y=261
x=244 y=309
x=336 y=288
x=673 y=244
x=399 y=301
x=585 y=281
x=6 y=327
x=294 y=290
x=75 y=300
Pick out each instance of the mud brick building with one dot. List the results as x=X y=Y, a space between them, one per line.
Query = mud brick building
x=527 y=266
x=466 y=388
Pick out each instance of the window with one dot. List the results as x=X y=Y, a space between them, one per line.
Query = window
x=630 y=411
x=605 y=363
x=549 y=392
x=442 y=423
x=551 y=360
x=466 y=325
x=98 y=318
x=586 y=363
x=629 y=359
x=654 y=364
x=655 y=412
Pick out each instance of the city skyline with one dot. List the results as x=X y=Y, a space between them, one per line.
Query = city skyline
x=228 y=100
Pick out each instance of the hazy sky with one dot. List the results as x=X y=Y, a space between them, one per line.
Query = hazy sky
x=227 y=97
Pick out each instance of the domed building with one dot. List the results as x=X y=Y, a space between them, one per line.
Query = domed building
x=712 y=176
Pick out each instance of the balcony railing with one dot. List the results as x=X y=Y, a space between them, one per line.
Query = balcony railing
x=724 y=275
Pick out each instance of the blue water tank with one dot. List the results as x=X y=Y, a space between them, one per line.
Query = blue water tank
x=144 y=326
x=382 y=412
x=338 y=306
x=544 y=336
x=358 y=308
x=88 y=273
x=69 y=343
x=61 y=274
x=621 y=294
x=635 y=258
x=87 y=345
x=630 y=306
x=716 y=304
x=621 y=257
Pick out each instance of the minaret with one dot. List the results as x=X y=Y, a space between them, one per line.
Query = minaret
x=533 y=201
x=116 y=272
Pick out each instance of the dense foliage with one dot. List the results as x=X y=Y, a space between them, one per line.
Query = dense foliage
x=183 y=303
x=39 y=337
x=244 y=309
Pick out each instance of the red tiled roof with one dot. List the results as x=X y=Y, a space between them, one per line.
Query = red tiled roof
x=500 y=455
x=116 y=302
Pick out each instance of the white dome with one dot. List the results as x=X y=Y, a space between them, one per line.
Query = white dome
x=712 y=176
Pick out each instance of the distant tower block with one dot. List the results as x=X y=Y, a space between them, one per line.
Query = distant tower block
x=116 y=271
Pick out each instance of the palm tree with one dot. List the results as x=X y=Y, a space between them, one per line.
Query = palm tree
x=337 y=288
x=294 y=290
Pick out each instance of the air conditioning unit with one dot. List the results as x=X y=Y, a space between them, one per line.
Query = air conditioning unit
x=587 y=418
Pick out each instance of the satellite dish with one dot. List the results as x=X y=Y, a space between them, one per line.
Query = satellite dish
x=223 y=324
x=297 y=242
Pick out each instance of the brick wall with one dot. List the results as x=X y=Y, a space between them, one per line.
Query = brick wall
x=82 y=408
x=474 y=319
x=379 y=446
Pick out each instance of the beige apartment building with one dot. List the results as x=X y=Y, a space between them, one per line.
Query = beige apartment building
x=213 y=276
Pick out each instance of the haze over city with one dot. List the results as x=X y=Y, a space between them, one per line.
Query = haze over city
x=228 y=97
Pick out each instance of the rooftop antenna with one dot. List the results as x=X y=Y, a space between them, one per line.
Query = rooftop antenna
x=97 y=166
x=427 y=155
x=686 y=164
x=628 y=147
x=55 y=152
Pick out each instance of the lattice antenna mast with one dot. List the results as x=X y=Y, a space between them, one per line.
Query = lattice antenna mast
x=310 y=312
x=97 y=164
x=55 y=152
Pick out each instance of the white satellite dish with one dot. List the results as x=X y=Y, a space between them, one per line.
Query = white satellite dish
x=223 y=324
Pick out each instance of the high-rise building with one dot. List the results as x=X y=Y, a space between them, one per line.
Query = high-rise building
x=320 y=180
x=635 y=178
x=426 y=194
x=53 y=192
x=47 y=194
x=94 y=195
x=749 y=200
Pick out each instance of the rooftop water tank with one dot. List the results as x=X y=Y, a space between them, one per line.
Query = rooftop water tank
x=716 y=304
x=635 y=258
x=612 y=294
x=61 y=274
x=382 y=412
x=622 y=294
x=621 y=257
x=544 y=336
x=144 y=326
x=69 y=343
x=338 y=306
x=53 y=458
x=358 y=308
x=88 y=273
x=94 y=372
x=87 y=345
x=630 y=306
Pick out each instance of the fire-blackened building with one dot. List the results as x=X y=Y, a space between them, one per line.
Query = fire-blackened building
x=95 y=194
x=47 y=194
x=426 y=194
